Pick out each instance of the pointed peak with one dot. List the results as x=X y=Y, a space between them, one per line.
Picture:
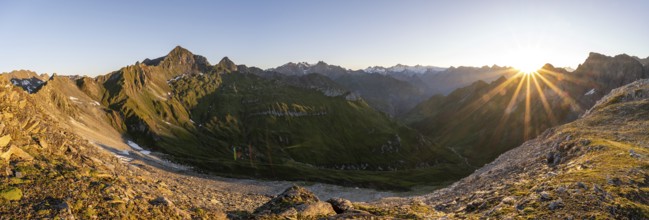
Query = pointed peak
x=226 y=65
x=226 y=60
x=178 y=50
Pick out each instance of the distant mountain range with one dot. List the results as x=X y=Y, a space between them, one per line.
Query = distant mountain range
x=395 y=90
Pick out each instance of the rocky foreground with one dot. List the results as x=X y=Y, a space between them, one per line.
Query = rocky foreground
x=594 y=168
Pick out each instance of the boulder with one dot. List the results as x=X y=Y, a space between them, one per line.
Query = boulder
x=341 y=205
x=293 y=202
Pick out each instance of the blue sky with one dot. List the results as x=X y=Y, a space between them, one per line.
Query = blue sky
x=96 y=37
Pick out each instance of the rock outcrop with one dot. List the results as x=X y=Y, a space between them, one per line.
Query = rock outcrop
x=295 y=202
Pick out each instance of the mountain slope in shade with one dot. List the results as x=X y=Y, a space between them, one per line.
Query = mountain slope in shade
x=482 y=120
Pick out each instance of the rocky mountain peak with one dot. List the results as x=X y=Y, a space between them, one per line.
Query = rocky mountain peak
x=226 y=65
x=610 y=72
x=178 y=50
x=595 y=55
x=548 y=66
x=179 y=57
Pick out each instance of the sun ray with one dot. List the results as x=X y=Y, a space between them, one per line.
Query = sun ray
x=486 y=97
x=567 y=77
x=544 y=101
x=573 y=104
x=468 y=110
x=528 y=117
x=507 y=111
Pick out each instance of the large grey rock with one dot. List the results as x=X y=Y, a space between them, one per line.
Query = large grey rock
x=293 y=202
x=341 y=205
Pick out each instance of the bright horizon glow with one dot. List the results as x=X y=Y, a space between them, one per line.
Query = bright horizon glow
x=527 y=60
x=79 y=37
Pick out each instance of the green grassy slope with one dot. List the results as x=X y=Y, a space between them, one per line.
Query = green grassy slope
x=235 y=123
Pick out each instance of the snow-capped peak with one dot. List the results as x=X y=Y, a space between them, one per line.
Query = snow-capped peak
x=400 y=68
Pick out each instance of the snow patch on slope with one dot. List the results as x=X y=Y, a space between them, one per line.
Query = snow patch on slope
x=134 y=145
x=592 y=91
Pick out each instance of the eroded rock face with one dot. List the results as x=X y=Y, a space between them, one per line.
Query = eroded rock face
x=295 y=202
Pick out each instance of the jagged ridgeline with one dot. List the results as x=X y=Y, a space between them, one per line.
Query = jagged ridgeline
x=227 y=120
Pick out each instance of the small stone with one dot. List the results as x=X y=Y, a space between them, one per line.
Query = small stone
x=161 y=201
x=632 y=153
x=43 y=143
x=508 y=200
x=582 y=185
x=614 y=181
x=545 y=196
x=556 y=204
x=18 y=174
x=553 y=158
x=475 y=205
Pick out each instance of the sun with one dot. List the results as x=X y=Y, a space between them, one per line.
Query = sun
x=527 y=68
x=527 y=60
